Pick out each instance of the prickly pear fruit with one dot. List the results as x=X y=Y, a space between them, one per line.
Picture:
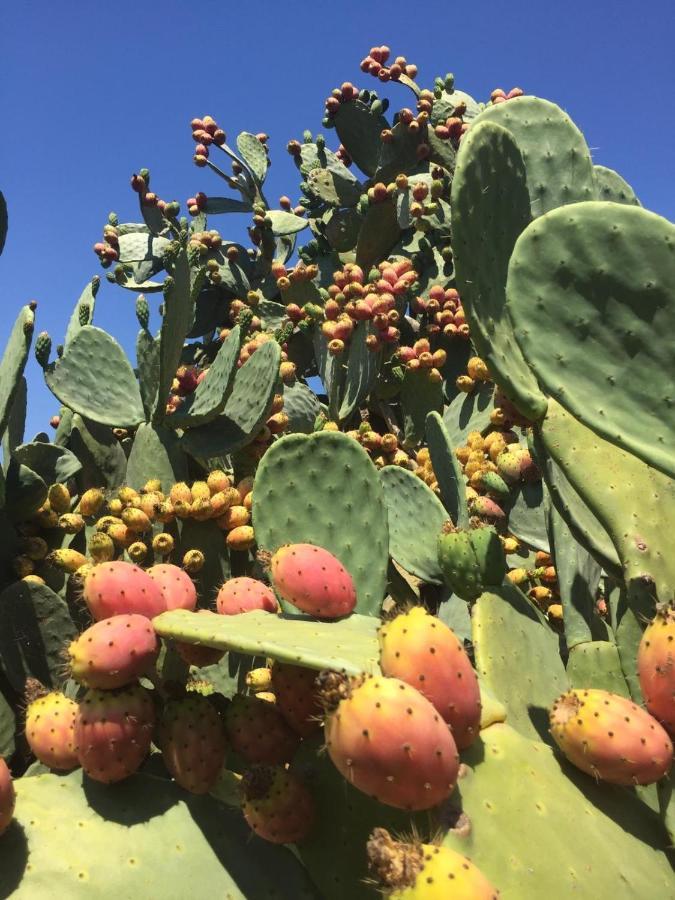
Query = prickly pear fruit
x=50 y=731
x=239 y=595
x=177 y=587
x=388 y=741
x=297 y=697
x=192 y=740
x=656 y=667
x=198 y=654
x=424 y=871
x=609 y=737
x=116 y=588
x=471 y=561
x=7 y=796
x=277 y=805
x=257 y=730
x=422 y=651
x=314 y=580
x=114 y=652
x=113 y=730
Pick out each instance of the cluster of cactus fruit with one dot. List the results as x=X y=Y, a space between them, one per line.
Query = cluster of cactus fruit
x=369 y=548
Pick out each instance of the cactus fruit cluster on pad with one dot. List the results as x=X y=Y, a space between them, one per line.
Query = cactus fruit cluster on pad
x=356 y=581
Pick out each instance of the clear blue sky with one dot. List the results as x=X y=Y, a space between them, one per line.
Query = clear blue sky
x=91 y=92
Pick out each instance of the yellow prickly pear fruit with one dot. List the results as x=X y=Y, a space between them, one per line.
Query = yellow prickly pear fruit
x=219 y=503
x=71 y=523
x=477 y=369
x=182 y=509
x=465 y=384
x=201 y=509
x=472 y=467
x=180 y=492
x=267 y=696
x=277 y=404
x=115 y=506
x=67 y=560
x=91 y=502
x=240 y=538
x=165 y=512
x=497 y=417
x=193 y=561
x=218 y=481
x=463 y=454
x=23 y=566
x=150 y=503
x=423 y=456
x=162 y=544
x=541 y=595
x=58 y=497
x=555 y=612
x=106 y=521
x=33 y=579
x=475 y=441
x=153 y=486
x=121 y=535
x=200 y=491
x=46 y=517
x=127 y=495
x=331 y=426
x=496 y=447
x=137 y=552
x=35 y=548
x=541 y=558
x=287 y=372
x=259 y=679
x=471 y=494
x=136 y=520
x=101 y=547
x=518 y=576
x=234 y=517
x=245 y=487
x=510 y=545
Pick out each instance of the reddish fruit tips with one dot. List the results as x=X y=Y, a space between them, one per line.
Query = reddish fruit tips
x=7 y=796
x=114 y=652
x=422 y=651
x=177 y=588
x=609 y=737
x=118 y=588
x=257 y=730
x=313 y=580
x=239 y=595
x=388 y=741
x=297 y=697
x=50 y=731
x=192 y=740
x=277 y=805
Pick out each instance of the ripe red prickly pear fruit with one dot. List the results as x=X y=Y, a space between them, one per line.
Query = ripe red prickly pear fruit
x=314 y=580
x=422 y=651
x=257 y=730
x=113 y=730
x=609 y=737
x=116 y=588
x=239 y=595
x=192 y=740
x=656 y=667
x=50 y=731
x=297 y=697
x=7 y=796
x=388 y=741
x=177 y=588
x=197 y=654
x=114 y=652
x=425 y=871
x=277 y=805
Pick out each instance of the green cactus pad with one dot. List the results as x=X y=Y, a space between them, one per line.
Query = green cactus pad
x=579 y=518
x=334 y=853
x=53 y=464
x=301 y=406
x=147 y=360
x=415 y=516
x=215 y=206
x=447 y=470
x=284 y=223
x=471 y=561
x=539 y=830
x=7 y=728
x=208 y=400
x=517 y=658
x=419 y=397
x=469 y=412
x=349 y=645
x=24 y=491
x=557 y=159
x=156 y=453
x=632 y=501
x=104 y=462
x=330 y=180
x=359 y=130
x=490 y=209
x=578 y=577
x=146 y=837
x=179 y=310
x=94 y=379
x=455 y=613
x=245 y=411
x=254 y=155
x=591 y=294
x=16 y=422
x=323 y=489
x=527 y=520
x=14 y=361
x=596 y=664
x=87 y=300
x=609 y=185
x=35 y=625
x=362 y=367
x=379 y=233
x=207 y=537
